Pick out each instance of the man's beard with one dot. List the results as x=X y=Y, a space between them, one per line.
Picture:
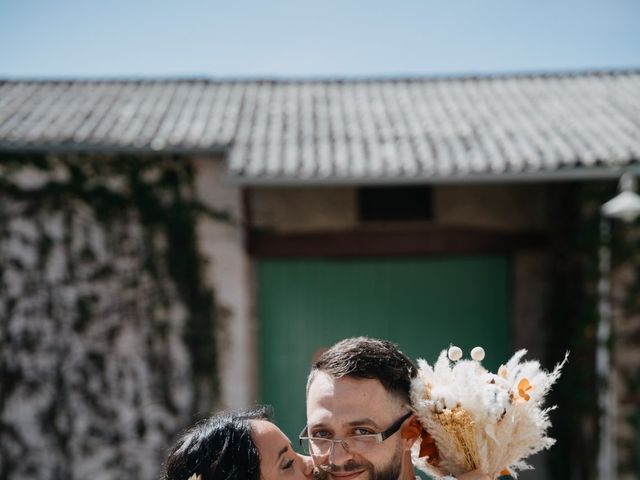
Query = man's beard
x=390 y=471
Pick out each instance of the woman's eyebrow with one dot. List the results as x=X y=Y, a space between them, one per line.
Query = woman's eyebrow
x=282 y=452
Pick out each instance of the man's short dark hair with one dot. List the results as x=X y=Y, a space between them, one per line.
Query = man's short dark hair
x=364 y=357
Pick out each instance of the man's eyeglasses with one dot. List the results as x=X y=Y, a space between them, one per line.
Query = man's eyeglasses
x=320 y=446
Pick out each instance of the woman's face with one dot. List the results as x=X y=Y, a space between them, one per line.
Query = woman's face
x=277 y=458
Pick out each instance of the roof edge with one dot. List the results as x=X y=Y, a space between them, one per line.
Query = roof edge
x=573 y=174
x=110 y=149
x=373 y=78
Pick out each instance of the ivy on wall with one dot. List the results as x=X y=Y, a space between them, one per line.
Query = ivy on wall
x=107 y=330
x=626 y=341
x=573 y=321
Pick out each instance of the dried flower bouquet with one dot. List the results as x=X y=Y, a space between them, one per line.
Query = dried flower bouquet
x=475 y=419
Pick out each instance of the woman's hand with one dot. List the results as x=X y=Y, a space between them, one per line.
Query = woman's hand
x=474 y=475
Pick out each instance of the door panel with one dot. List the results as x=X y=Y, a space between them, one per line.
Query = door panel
x=422 y=304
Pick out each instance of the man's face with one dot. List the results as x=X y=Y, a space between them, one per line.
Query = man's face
x=338 y=408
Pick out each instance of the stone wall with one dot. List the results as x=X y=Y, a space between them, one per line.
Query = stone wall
x=625 y=287
x=107 y=327
x=500 y=207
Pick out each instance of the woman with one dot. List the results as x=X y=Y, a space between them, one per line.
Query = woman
x=241 y=445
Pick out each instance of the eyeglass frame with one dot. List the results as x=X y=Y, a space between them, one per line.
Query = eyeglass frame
x=380 y=436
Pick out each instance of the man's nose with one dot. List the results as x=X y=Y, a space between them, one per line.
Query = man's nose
x=307 y=466
x=339 y=454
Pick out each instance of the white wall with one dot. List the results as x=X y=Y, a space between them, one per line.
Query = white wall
x=229 y=273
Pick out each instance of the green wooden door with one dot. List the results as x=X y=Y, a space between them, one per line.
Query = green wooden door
x=421 y=304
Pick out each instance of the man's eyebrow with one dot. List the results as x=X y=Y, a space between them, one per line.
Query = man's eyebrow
x=316 y=425
x=353 y=423
x=363 y=421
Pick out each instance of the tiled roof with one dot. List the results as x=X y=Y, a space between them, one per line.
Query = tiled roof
x=119 y=115
x=349 y=130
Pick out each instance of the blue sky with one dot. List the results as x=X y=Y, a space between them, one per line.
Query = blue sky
x=300 y=38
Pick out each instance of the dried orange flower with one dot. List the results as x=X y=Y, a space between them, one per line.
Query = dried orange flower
x=428 y=447
x=523 y=387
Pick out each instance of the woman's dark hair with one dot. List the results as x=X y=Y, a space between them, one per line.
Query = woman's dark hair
x=218 y=448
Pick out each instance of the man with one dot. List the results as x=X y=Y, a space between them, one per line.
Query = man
x=359 y=422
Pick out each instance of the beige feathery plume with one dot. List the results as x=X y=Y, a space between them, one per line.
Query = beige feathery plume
x=195 y=477
x=461 y=428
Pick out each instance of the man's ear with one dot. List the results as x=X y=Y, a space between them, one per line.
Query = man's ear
x=411 y=431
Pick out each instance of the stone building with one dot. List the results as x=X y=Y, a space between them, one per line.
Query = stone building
x=263 y=220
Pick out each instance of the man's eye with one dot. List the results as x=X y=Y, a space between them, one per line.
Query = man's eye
x=321 y=434
x=361 y=431
x=287 y=465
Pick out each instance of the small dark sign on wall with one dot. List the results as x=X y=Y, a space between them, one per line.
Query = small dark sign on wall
x=395 y=203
